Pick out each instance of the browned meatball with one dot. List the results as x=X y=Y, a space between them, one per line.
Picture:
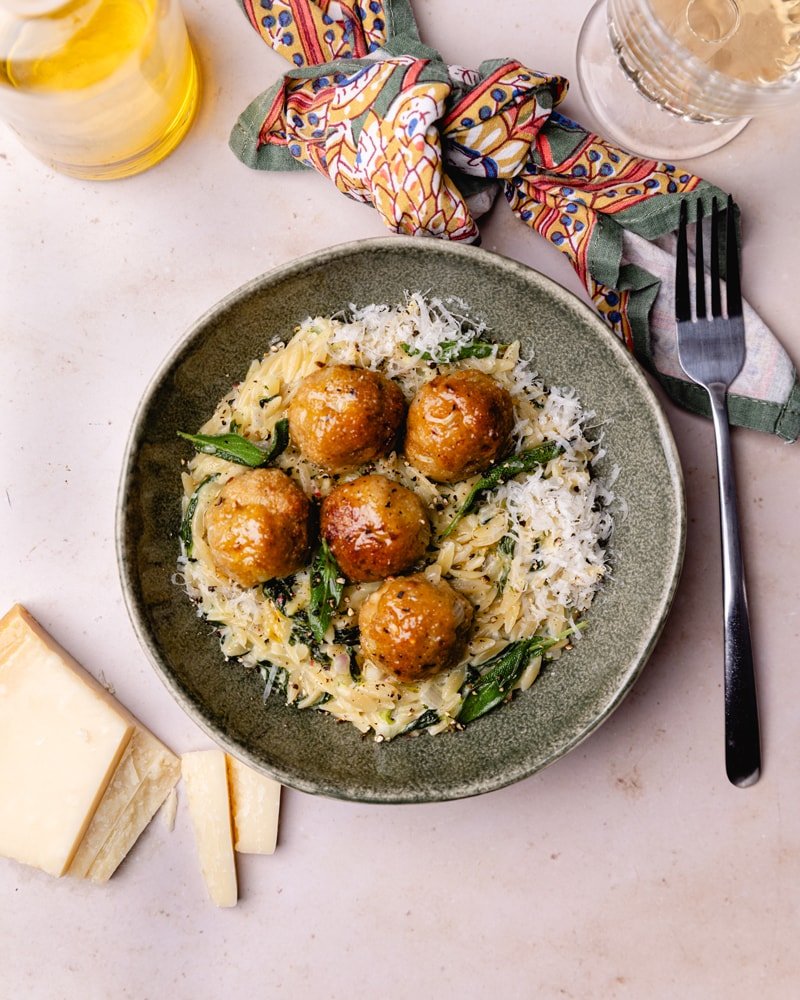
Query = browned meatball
x=458 y=424
x=411 y=627
x=342 y=416
x=258 y=527
x=374 y=527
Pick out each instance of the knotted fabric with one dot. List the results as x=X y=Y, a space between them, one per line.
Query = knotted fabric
x=430 y=146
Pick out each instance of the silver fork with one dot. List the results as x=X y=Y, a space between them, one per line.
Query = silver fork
x=711 y=352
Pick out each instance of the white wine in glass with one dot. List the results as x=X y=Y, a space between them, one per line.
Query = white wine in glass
x=677 y=78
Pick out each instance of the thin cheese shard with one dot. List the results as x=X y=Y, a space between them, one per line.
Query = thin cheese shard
x=61 y=738
x=170 y=810
x=146 y=775
x=255 y=804
x=205 y=777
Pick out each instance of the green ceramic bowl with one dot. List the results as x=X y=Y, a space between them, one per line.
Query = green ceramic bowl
x=308 y=750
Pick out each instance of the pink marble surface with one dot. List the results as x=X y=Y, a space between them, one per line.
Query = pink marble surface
x=629 y=869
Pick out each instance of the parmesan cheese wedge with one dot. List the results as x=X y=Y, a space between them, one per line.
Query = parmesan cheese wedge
x=144 y=778
x=61 y=738
x=205 y=777
x=255 y=804
x=80 y=778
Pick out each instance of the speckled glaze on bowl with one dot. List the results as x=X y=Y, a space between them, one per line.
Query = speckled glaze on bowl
x=308 y=750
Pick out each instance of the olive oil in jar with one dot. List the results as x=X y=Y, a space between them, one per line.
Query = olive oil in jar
x=97 y=88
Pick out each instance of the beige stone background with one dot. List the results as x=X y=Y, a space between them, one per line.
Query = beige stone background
x=631 y=868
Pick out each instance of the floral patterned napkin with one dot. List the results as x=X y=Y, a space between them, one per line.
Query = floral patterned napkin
x=430 y=146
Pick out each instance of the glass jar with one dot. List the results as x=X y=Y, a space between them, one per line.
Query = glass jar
x=97 y=88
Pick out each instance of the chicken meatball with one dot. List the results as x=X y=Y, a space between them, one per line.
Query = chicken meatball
x=458 y=424
x=258 y=527
x=411 y=627
x=375 y=528
x=342 y=416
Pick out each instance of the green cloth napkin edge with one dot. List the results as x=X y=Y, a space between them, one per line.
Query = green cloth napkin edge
x=605 y=264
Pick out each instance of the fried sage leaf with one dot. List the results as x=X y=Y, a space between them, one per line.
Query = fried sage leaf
x=428 y=718
x=525 y=461
x=452 y=350
x=501 y=673
x=327 y=587
x=235 y=448
x=185 y=532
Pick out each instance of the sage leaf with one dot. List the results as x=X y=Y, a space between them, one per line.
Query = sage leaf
x=524 y=461
x=452 y=350
x=235 y=448
x=428 y=718
x=185 y=531
x=327 y=587
x=500 y=674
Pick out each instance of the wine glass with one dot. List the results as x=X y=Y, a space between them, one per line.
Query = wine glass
x=673 y=79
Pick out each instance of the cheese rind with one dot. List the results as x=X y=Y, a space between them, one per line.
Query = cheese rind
x=61 y=738
x=255 y=805
x=206 y=781
x=145 y=776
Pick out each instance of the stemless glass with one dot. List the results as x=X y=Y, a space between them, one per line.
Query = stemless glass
x=675 y=79
x=97 y=88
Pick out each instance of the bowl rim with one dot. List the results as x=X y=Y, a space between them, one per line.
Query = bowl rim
x=468 y=788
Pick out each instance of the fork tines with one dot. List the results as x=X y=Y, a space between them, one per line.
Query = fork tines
x=683 y=298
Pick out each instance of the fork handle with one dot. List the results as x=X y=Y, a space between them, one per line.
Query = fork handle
x=742 y=742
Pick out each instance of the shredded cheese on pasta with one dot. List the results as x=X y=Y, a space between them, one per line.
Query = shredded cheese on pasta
x=529 y=558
